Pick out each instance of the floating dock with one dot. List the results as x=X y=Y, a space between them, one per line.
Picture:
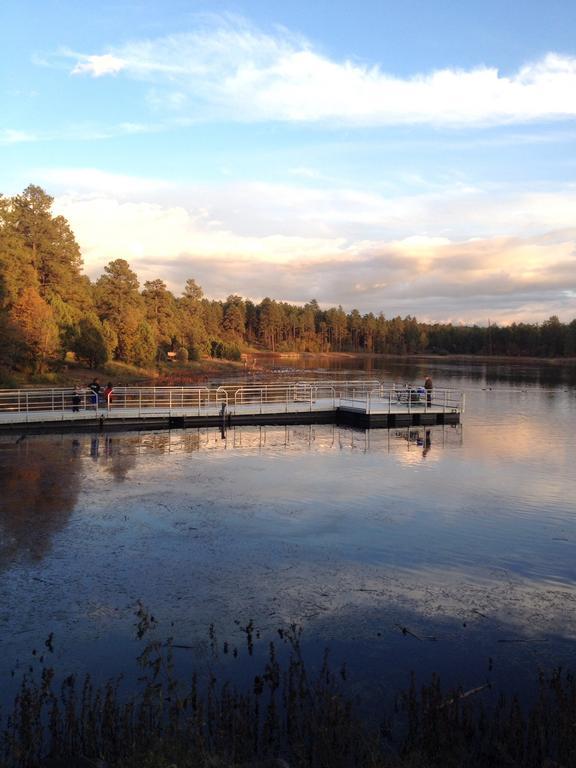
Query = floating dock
x=355 y=403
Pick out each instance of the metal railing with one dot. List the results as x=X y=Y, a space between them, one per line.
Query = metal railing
x=55 y=400
x=281 y=396
x=289 y=396
x=409 y=399
x=160 y=399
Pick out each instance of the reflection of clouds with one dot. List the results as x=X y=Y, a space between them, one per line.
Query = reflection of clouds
x=525 y=461
x=518 y=439
x=295 y=524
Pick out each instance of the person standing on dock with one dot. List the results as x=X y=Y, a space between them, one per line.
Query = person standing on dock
x=428 y=388
x=76 y=400
x=108 y=394
x=95 y=387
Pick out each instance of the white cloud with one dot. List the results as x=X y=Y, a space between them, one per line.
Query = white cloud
x=238 y=72
x=97 y=66
x=78 y=132
x=92 y=181
x=12 y=136
x=432 y=275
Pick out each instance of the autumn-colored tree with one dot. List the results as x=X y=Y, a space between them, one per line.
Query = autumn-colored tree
x=48 y=307
x=38 y=333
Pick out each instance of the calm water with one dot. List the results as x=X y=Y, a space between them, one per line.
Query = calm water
x=465 y=536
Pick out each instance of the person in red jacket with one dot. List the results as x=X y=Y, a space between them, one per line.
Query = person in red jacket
x=108 y=394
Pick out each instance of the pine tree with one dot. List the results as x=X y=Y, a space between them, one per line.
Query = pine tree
x=90 y=343
x=16 y=270
x=161 y=313
x=119 y=304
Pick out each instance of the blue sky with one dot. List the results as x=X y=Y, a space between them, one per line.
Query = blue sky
x=414 y=157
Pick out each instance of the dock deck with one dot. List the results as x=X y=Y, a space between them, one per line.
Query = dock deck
x=357 y=403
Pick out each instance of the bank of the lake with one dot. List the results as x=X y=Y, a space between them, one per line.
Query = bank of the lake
x=254 y=363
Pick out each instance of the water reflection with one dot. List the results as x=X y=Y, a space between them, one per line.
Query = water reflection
x=347 y=532
x=41 y=476
x=40 y=481
x=117 y=453
x=469 y=372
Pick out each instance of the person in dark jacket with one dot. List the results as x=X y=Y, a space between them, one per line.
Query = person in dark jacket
x=76 y=400
x=428 y=388
x=95 y=387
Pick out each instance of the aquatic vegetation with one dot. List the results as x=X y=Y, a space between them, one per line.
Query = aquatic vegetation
x=292 y=714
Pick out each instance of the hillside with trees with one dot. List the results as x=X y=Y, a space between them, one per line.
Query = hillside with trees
x=50 y=311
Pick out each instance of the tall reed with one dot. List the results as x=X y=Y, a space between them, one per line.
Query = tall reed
x=292 y=714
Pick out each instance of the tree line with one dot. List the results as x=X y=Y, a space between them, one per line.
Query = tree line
x=49 y=309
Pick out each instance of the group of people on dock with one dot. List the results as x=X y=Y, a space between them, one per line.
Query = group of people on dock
x=92 y=395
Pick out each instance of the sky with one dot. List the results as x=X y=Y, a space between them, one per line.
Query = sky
x=406 y=158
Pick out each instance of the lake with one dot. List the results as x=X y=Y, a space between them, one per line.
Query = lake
x=449 y=550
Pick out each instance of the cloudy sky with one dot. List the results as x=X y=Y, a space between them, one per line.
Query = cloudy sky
x=411 y=158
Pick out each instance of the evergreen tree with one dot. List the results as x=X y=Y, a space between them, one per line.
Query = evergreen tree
x=234 y=317
x=145 y=345
x=16 y=270
x=90 y=344
x=161 y=314
x=119 y=303
x=193 y=335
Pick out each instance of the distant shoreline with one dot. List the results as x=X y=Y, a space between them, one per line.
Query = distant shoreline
x=420 y=356
x=206 y=369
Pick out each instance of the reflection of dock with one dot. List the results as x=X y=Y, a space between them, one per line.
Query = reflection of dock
x=354 y=403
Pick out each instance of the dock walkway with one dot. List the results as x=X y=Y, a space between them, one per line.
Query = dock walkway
x=357 y=403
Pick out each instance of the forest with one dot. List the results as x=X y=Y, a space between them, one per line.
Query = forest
x=51 y=312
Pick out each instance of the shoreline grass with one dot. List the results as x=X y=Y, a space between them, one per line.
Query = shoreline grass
x=289 y=715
